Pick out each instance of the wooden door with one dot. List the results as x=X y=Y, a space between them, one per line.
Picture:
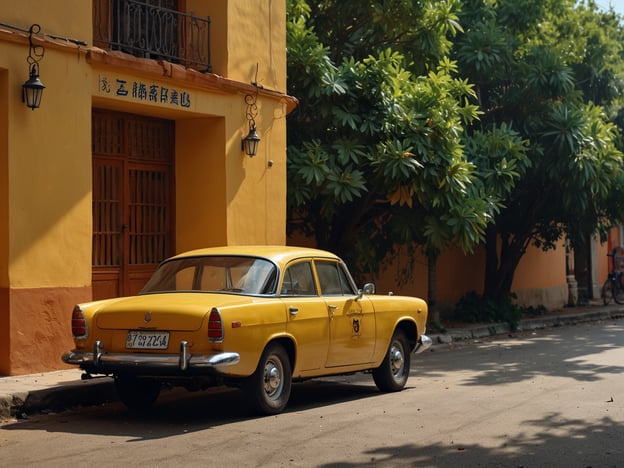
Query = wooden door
x=132 y=200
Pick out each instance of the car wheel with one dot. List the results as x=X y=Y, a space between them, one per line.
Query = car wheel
x=137 y=394
x=268 y=388
x=392 y=374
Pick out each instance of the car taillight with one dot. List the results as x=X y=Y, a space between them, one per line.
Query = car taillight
x=78 y=323
x=215 y=326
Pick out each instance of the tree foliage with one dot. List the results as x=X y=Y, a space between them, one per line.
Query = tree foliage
x=430 y=122
x=551 y=70
x=375 y=154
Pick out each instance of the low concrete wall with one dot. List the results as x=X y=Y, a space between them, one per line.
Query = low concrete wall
x=551 y=298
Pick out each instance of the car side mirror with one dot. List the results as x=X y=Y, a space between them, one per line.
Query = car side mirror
x=369 y=288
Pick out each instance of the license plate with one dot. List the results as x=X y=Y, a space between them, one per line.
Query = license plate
x=138 y=339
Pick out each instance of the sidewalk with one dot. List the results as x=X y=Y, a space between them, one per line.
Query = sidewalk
x=58 y=390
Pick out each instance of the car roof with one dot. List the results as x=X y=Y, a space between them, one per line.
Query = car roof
x=279 y=254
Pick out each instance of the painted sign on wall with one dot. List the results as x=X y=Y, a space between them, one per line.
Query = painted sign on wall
x=142 y=91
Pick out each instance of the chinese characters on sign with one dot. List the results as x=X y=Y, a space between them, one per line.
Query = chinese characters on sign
x=148 y=92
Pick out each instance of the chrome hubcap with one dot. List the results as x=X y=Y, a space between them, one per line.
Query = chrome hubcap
x=396 y=359
x=272 y=378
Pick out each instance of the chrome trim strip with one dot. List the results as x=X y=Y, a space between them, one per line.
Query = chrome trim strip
x=97 y=352
x=185 y=355
x=182 y=361
x=423 y=344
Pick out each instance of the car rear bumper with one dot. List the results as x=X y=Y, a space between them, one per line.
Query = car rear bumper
x=423 y=344
x=100 y=361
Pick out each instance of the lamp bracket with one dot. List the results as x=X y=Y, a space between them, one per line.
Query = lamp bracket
x=35 y=53
x=252 y=108
x=249 y=144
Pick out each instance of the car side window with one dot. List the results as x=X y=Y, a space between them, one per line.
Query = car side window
x=298 y=280
x=333 y=279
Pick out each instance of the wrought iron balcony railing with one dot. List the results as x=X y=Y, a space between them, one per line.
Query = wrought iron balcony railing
x=152 y=29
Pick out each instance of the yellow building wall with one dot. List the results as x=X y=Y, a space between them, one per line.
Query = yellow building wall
x=250 y=46
x=48 y=163
x=46 y=196
x=200 y=187
x=4 y=179
x=266 y=58
x=257 y=186
x=219 y=52
x=58 y=17
x=5 y=331
x=256 y=37
x=222 y=195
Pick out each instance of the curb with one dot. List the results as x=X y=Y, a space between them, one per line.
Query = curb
x=81 y=393
x=493 y=329
x=18 y=404
x=62 y=390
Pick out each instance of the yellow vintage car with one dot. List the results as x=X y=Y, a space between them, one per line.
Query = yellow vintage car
x=254 y=317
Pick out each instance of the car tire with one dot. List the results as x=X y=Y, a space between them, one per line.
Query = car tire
x=137 y=394
x=392 y=374
x=268 y=388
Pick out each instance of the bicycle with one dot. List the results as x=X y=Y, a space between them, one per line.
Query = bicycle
x=613 y=288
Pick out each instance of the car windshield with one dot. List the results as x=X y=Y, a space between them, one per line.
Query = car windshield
x=233 y=274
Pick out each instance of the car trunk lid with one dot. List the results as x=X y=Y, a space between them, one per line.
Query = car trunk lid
x=171 y=311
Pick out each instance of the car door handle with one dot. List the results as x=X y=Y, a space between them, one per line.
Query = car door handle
x=332 y=310
x=292 y=310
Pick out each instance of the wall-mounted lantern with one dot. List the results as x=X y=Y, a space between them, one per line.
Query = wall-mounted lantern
x=249 y=144
x=32 y=89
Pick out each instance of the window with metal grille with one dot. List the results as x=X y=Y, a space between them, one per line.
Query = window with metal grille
x=153 y=29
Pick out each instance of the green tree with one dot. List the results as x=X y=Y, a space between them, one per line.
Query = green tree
x=375 y=155
x=552 y=71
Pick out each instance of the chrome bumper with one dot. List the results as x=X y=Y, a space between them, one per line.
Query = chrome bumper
x=100 y=360
x=423 y=344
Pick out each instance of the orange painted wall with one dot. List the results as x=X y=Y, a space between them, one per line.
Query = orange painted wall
x=539 y=279
x=539 y=269
x=40 y=328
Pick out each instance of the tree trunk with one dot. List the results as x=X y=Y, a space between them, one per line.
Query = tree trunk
x=491 y=261
x=434 y=311
x=501 y=268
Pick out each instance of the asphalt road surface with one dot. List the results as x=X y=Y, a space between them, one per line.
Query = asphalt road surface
x=551 y=398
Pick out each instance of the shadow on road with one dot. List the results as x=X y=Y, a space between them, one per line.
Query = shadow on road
x=512 y=363
x=179 y=411
x=558 y=442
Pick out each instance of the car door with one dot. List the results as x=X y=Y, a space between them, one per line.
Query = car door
x=351 y=321
x=307 y=317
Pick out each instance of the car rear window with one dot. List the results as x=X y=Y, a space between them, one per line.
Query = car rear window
x=229 y=274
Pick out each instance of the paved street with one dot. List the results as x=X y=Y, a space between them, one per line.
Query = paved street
x=546 y=398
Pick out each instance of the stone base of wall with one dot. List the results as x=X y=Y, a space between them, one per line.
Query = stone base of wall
x=552 y=298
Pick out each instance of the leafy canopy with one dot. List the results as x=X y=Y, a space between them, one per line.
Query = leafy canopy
x=552 y=70
x=375 y=151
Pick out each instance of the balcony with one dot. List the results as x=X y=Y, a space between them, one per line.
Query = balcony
x=152 y=29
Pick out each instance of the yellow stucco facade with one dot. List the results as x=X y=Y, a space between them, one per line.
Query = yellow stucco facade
x=222 y=196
